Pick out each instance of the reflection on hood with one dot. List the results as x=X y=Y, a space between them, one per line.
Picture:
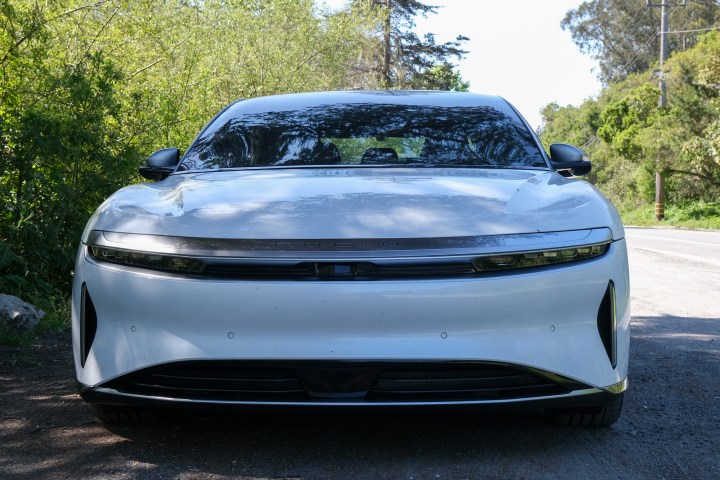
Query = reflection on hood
x=356 y=203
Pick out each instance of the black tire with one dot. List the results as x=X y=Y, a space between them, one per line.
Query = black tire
x=600 y=416
x=124 y=415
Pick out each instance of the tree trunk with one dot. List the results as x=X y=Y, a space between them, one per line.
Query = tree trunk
x=386 y=80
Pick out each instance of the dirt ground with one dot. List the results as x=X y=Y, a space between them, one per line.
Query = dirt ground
x=670 y=428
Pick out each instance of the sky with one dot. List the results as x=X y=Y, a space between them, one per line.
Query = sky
x=516 y=50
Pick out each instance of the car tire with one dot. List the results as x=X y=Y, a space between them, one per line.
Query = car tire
x=600 y=416
x=123 y=415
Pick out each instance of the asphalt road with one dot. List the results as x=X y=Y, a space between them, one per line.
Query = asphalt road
x=693 y=245
x=674 y=272
x=670 y=428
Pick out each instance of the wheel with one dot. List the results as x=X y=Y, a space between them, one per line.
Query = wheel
x=123 y=415
x=600 y=416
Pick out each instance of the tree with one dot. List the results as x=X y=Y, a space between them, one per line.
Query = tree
x=401 y=59
x=62 y=149
x=88 y=88
x=629 y=137
x=439 y=77
x=623 y=34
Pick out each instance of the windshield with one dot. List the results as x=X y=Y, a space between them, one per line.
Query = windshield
x=366 y=134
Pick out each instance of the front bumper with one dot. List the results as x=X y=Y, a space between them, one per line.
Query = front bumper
x=545 y=320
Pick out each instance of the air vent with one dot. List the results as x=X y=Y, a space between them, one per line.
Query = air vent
x=88 y=324
x=607 y=323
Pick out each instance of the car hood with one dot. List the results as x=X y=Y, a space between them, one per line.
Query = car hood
x=360 y=202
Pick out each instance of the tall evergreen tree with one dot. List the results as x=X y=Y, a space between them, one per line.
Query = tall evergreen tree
x=623 y=35
x=402 y=59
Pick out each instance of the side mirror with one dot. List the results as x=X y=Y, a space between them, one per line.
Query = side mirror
x=568 y=160
x=160 y=164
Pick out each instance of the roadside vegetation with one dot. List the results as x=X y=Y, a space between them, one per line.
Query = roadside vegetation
x=625 y=133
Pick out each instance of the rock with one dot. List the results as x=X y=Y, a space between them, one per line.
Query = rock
x=18 y=315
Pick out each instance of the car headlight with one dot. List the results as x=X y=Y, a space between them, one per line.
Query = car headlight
x=167 y=263
x=538 y=258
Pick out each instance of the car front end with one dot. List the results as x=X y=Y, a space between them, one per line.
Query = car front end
x=354 y=286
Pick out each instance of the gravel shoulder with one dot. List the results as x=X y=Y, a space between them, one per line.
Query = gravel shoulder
x=670 y=428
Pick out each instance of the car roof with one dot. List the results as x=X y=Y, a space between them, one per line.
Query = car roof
x=297 y=101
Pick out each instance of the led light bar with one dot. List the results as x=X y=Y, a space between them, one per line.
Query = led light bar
x=349 y=269
x=167 y=263
x=539 y=258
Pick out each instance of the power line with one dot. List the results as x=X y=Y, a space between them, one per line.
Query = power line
x=642 y=8
x=632 y=29
x=714 y=4
x=696 y=30
x=638 y=52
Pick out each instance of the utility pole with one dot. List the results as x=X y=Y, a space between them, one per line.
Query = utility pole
x=663 y=52
x=659 y=180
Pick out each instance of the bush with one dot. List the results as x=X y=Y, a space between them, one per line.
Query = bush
x=692 y=215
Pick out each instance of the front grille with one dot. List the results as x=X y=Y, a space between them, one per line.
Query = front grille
x=471 y=383
x=215 y=381
x=327 y=382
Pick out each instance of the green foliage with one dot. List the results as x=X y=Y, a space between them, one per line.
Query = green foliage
x=698 y=211
x=56 y=321
x=699 y=215
x=574 y=125
x=439 y=77
x=11 y=337
x=702 y=153
x=629 y=137
x=87 y=89
x=63 y=155
x=622 y=122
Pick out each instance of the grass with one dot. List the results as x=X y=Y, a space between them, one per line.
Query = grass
x=9 y=337
x=694 y=216
x=55 y=321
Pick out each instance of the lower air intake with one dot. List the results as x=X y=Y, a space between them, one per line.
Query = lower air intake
x=326 y=382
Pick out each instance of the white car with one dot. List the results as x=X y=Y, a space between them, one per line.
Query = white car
x=356 y=249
